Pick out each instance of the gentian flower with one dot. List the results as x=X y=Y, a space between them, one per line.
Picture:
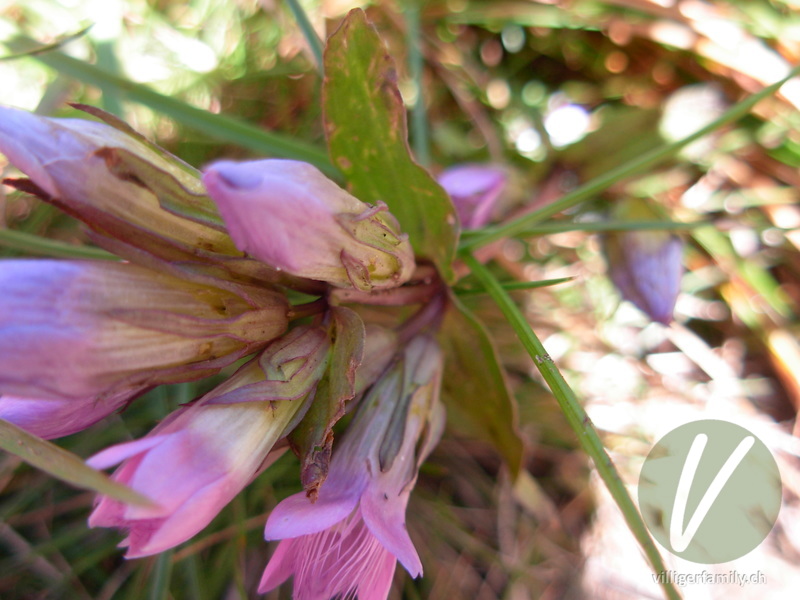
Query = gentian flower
x=141 y=202
x=201 y=456
x=475 y=190
x=86 y=330
x=348 y=541
x=204 y=286
x=50 y=418
x=288 y=214
x=645 y=266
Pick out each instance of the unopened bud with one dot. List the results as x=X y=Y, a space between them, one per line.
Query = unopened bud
x=289 y=215
x=645 y=266
x=475 y=190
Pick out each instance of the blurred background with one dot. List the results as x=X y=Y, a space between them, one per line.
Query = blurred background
x=556 y=93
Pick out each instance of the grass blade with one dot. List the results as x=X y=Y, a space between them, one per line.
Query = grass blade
x=314 y=43
x=644 y=162
x=221 y=127
x=575 y=414
x=34 y=244
x=63 y=465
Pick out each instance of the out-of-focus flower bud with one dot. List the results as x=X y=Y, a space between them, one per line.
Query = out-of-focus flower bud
x=475 y=190
x=288 y=214
x=348 y=541
x=134 y=195
x=202 y=455
x=80 y=329
x=646 y=266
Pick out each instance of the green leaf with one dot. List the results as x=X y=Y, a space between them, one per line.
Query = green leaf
x=365 y=122
x=63 y=465
x=312 y=439
x=474 y=388
x=34 y=244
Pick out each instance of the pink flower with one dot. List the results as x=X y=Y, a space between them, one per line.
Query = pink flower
x=475 y=190
x=50 y=418
x=347 y=542
x=646 y=266
x=203 y=455
x=90 y=331
x=289 y=215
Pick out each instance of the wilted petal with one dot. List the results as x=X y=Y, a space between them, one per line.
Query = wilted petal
x=475 y=190
x=87 y=168
x=87 y=330
x=288 y=214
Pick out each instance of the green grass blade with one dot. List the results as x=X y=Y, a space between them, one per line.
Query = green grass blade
x=597 y=226
x=162 y=575
x=34 y=244
x=63 y=465
x=308 y=32
x=644 y=162
x=575 y=414
x=419 y=118
x=221 y=127
x=514 y=286
x=41 y=49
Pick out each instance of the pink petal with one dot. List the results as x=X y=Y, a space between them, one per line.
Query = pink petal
x=474 y=190
x=342 y=561
x=270 y=212
x=296 y=515
x=19 y=131
x=172 y=472
x=56 y=418
x=154 y=536
x=385 y=517
x=116 y=454
x=280 y=566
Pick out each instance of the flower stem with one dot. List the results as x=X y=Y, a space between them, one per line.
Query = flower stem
x=308 y=309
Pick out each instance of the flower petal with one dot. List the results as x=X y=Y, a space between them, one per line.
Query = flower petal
x=385 y=517
x=296 y=515
x=53 y=418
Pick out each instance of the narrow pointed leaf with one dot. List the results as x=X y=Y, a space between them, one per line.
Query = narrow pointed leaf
x=63 y=465
x=312 y=439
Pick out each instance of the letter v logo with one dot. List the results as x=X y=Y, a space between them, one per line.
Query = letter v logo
x=710 y=491
x=678 y=537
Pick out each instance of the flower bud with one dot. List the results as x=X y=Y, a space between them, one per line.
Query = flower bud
x=201 y=456
x=134 y=195
x=288 y=214
x=81 y=329
x=645 y=266
x=475 y=190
